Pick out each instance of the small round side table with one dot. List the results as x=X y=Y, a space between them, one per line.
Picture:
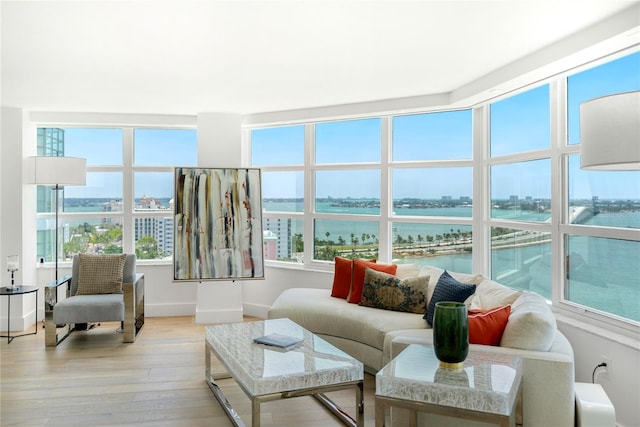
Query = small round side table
x=19 y=290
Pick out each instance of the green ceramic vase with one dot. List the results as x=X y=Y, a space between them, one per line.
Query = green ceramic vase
x=451 y=334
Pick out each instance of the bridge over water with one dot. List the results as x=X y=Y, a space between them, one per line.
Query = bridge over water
x=580 y=214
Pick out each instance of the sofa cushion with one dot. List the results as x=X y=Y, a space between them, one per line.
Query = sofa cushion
x=321 y=314
x=490 y=294
x=388 y=292
x=486 y=326
x=357 y=280
x=531 y=324
x=100 y=274
x=448 y=289
x=89 y=308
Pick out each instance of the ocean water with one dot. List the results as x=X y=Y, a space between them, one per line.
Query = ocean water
x=604 y=274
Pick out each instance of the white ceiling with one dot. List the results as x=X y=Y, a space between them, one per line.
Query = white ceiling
x=185 y=57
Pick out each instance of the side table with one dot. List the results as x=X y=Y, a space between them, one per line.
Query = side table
x=20 y=290
x=486 y=389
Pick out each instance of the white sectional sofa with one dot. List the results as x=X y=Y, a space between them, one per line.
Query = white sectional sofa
x=374 y=336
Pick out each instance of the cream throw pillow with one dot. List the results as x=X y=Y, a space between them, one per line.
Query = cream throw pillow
x=406 y=271
x=490 y=294
x=100 y=274
x=531 y=324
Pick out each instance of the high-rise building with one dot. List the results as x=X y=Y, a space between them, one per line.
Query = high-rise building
x=281 y=228
x=50 y=143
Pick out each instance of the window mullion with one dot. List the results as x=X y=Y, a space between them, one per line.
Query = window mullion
x=559 y=187
x=386 y=203
x=128 y=244
x=309 y=191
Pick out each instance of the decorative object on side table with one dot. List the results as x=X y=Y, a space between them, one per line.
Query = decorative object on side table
x=451 y=334
x=13 y=262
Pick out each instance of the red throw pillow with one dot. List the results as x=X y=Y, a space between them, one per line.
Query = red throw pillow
x=486 y=326
x=342 y=277
x=342 y=273
x=357 y=281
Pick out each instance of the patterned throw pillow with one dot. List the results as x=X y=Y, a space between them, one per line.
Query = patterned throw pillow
x=100 y=274
x=448 y=289
x=382 y=290
x=357 y=281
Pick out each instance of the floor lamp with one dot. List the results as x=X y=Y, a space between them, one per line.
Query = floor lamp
x=57 y=172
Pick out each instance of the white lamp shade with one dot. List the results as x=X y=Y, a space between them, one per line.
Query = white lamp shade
x=45 y=170
x=610 y=132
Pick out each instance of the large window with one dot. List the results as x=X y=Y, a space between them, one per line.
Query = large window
x=403 y=188
x=92 y=217
x=422 y=215
x=280 y=153
x=601 y=230
x=520 y=189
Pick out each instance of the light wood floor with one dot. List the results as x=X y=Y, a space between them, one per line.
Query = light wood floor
x=93 y=379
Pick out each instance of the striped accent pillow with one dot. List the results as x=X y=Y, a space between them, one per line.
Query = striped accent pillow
x=100 y=274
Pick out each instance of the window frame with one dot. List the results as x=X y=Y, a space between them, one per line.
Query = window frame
x=481 y=163
x=127 y=169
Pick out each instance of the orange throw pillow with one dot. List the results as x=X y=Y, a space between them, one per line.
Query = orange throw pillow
x=343 y=270
x=357 y=281
x=486 y=326
x=341 y=277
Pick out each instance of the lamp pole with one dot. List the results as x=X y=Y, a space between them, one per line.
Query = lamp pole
x=57 y=189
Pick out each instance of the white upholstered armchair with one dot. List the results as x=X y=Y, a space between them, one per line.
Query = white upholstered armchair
x=101 y=288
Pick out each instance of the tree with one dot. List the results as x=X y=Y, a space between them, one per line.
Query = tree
x=112 y=248
x=298 y=243
x=147 y=248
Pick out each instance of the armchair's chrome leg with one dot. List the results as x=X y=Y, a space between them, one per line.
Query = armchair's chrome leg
x=133 y=311
x=129 y=313
x=52 y=334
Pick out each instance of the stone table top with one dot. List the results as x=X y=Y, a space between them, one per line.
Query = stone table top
x=488 y=382
x=263 y=369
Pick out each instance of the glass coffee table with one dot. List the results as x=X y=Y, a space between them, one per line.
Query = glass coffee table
x=486 y=389
x=266 y=373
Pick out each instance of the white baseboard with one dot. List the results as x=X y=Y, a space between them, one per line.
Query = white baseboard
x=218 y=316
x=168 y=310
x=256 y=310
x=19 y=323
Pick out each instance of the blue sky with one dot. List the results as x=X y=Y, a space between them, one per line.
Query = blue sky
x=518 y=123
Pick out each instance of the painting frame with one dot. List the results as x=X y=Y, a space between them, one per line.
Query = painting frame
x=217 y=225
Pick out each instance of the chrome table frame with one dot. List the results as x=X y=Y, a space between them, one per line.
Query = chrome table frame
x=317 y=392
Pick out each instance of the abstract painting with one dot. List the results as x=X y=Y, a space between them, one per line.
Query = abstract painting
x=217 y=224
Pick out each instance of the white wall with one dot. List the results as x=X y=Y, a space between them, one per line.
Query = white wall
x=621 y=383
x=219 y=146
x=14 y=197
